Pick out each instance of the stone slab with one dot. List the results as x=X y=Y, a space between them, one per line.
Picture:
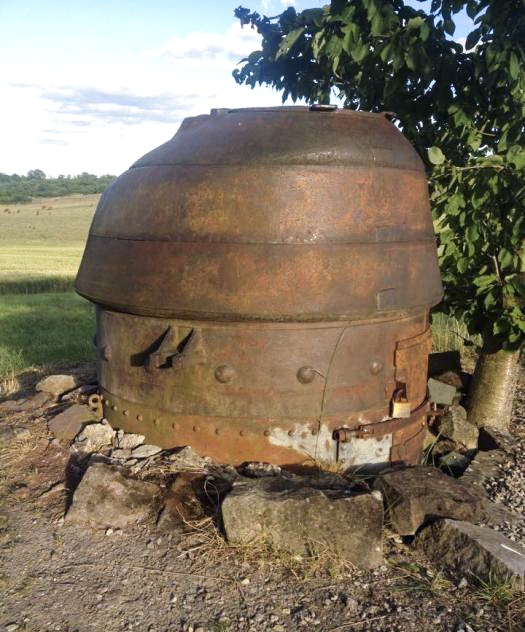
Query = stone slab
x=471 y=549
x=105 y=497
x=441 y=393
x=292 y=516
x=416 y=495
x=56 y=385
x=67 y=424
x=455 y=426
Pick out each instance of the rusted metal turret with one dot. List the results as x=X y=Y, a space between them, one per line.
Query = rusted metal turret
x=263 y=282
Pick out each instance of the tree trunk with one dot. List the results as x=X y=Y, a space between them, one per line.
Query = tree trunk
x=492 y=389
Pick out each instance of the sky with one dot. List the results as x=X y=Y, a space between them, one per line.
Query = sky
x=93 y=85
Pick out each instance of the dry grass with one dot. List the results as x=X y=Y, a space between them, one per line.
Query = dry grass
x=207 y=547
x=415 y=578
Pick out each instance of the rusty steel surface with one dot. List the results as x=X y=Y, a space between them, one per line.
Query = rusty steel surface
x=263 y=282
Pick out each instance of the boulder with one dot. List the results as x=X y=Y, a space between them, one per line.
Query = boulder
x=105 y=498
x=471 y=549
x=258 y=469
x=56 y=385
x=186 y=459
x=128 y=440
x=493 y=439
x=143 y=451
x=441 y=393
x=416 y=495
x=291 y=515
x=80 y=394
x=495 y=514
x=455 y=426
x=94 y=437
x=454 y=462
x=485 y=466
x=452 y=378
x=26 y=404
x=67 y=424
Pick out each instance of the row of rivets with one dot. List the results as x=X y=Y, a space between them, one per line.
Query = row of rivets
x=305 y=375
x=176 y=426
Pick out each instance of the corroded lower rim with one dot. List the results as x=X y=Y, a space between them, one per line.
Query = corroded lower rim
x=305 y=442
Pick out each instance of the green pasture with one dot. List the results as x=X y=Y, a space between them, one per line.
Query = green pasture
x=41 y=243
x=42 y=321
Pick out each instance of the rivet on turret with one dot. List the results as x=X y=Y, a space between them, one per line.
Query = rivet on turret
x=140 y=418
x=224 y=373
x=376 y=367
x=156 y=422
x=125 y=413
x=306 y=374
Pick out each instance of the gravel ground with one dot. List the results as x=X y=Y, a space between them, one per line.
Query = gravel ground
x=54 y=576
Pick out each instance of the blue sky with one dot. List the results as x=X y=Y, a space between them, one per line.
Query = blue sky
x=93 y=85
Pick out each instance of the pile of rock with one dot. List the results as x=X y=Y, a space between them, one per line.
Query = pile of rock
x=451 y=518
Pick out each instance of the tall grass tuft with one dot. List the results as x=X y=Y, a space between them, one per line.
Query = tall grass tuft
x=450 y=334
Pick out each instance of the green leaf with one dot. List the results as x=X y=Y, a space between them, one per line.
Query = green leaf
x=436 y=156
x=359 y=52
x=472 y=39
x=287 y=43
x=450 y=27
x=514 y=65
x=506 y=258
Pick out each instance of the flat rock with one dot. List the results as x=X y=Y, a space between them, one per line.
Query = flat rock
x=452 y=378
x=454 y=462
x=67 y=424
x=13 y=433
x=475 y=550
x=496 y=514
x=441 y=393
x=105 y=498
x=143 y=451
x=492 y=439
x=455 y=426
x=293 y=516
x=187 y=459
x=79 y=393
x=94 y=437
x=26 y=404
x=416 y=495
x=258 y=469
x=485 y=466
x=56 y=385
x=121 y=454
x=128 y=440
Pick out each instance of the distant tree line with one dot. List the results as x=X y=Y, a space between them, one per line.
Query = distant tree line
x=15 y=188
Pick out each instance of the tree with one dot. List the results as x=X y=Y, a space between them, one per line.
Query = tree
x=36 y=174
x=463 y=108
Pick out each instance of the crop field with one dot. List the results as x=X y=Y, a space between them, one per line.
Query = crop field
x=41 y=243
x=42 y=321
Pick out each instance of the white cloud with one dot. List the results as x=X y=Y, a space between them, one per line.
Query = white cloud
x=233 y=45
x=69 y=119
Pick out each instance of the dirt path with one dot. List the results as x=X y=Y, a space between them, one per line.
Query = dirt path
x=54 y=576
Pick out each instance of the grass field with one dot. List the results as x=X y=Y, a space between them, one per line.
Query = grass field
x=42 y=321
x=41 y=243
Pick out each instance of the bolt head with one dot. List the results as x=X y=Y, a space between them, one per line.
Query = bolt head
x=306 y=374
x=224 y=373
